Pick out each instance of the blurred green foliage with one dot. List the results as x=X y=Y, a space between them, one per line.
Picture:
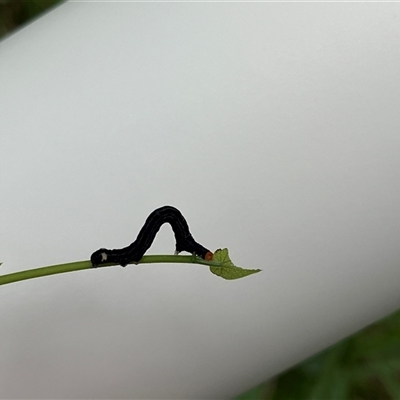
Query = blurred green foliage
x=365 y=366
x=16 y=13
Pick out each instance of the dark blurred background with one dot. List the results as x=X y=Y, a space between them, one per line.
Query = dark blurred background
x=365 y=366
x=16 y=13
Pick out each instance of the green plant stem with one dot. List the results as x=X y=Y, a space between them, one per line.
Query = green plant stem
x=80 y=265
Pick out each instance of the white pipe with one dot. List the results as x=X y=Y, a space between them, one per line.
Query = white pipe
x=274 y=128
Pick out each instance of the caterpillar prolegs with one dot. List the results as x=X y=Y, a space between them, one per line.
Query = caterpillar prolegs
x=135 y=251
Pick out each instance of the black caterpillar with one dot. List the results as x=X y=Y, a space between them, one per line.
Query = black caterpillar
x=135 y=251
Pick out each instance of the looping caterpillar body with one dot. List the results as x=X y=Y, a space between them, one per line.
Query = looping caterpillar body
x=135 y=251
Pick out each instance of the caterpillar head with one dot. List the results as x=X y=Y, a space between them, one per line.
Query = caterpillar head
x=99 y=257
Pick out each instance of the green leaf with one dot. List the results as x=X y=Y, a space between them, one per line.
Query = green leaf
x=228 y=270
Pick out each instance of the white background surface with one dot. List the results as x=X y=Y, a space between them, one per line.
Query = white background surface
x=274 y=128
